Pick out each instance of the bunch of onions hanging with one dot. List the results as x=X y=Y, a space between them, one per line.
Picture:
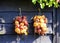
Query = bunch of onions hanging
x=40 y=24
x=21 y=25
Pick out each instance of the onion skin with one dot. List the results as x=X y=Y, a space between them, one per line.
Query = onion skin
x=17 y=30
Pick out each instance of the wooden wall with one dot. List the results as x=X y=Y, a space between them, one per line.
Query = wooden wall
x=9 y=9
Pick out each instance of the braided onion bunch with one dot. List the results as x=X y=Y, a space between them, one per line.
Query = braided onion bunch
x=21 y=25
x=39 y=24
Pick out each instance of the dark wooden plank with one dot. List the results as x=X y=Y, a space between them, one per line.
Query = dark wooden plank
x=58 y=21
x=58 y=26
x=29 y=39
x=1 y=38
x=12 y=39
x=54 y=25
x=7 y=17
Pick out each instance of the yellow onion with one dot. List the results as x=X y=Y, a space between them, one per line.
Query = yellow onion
x=35 y=24
x=16 y=22
x=17 y=30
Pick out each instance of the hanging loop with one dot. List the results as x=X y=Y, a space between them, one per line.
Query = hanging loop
x=20 y=12
x=39 y=11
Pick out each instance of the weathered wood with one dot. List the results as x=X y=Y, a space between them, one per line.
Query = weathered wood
x=9 y=10
x=58 y=26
